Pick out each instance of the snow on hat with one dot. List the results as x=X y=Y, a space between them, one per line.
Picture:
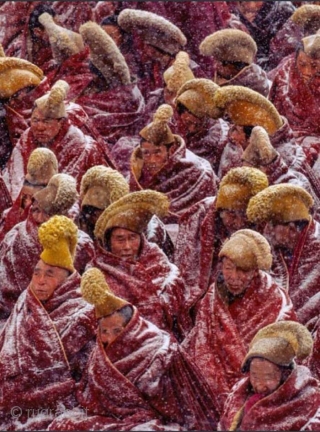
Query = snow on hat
x=59 y=195
x=158 y=132
x=307 y=17
x=280 y=343
x=101 y=186
x=104 y=54
x=178 y=73
x=42 y=165
x=230 y=45
x=154 y=29
x=311 y=46
x=64 y=43
x=58 y=237
x=248 y=250
x=132 y=212
x=52 y=103
x=96 y=291
x=280 y=203
x=197 y=95
x=16 y=74
x=246 y=107
x=238 y=186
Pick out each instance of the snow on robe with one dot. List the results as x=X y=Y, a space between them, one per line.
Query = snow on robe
x=42 y=346
x=75 y=151
x=293 y=406
x=185 y=178
x=19 y=254
x=301 y=274
x=151 y=283
x=225 y=325
x=141 y=377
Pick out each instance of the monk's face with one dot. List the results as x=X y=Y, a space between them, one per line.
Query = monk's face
x=46 y=279
x=27 y=193
x=308 y=68
x=37 y=214
x=282 y=235
x=125 y=244
x=44 y=129
x=189 y=122
x=236 y=279
x=265 y=377
x=154 y=156
x=250 y=9
x=233 y=220
x=114 y=32
x=110 y=327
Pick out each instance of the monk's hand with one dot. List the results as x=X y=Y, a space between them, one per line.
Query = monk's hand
x=260 y=151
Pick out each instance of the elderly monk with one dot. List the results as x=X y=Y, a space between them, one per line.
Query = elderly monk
x=243 y=299
x=20 y=248
x=50 y=127
x=138 y=270
x=161 y=162
x=48 y=337
x=205 y=226
x=277 y=394
x=295 y=237
x=233 y=53
x=137 y=378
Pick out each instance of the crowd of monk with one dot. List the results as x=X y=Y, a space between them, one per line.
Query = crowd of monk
x=159 y=215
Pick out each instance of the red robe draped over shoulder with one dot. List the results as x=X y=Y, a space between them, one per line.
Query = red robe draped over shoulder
x=224 y=328
x=293 y=406
x=41 y=347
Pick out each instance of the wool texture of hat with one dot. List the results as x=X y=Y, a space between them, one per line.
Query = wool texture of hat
x=96 y=291
x=59 y=195
x=248 y=250
x=178 y=73
x=132 y=212
x=42 y=165
x=105 y=55
x=101 y=186
x=238 y=186
x=197 y=96
x=280 y=343
x=260 y=151
x=58 y=237
x=52 y=104
x=307 y=16
x=158 y=132
x=311 y=45
x=154 y=29
x=64 y=43
x=17 y=74
x=230 y=45
x=246 y=107
x=281 y=203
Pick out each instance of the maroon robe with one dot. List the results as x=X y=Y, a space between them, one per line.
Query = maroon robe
x=293 y=406
x=20 y=251
x=42 y=345
x=225 y=326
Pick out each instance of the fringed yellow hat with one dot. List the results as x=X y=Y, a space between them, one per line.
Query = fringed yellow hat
x=95 y=290
x=178 y=73
x=280 y=203
x=101 y=186
x=311 y=45
x=154 y=29
x=52 y=104
x=248 y=250
x=260 y=151
x=105 y=55
x=58 y=237
x=59 y=195
x=246 y=107
x=132 y=212
x=17 y=74
x=230 y=45
x=307 y=17
x=158 y=132
x=238 y=186
x=197 y=95
x=64 y=43
x=280 y=343
x=42 y=165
